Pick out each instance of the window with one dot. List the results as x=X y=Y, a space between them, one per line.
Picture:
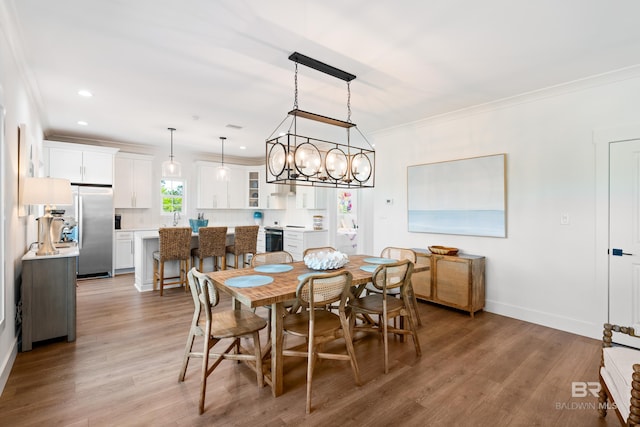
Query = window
x=172 y=195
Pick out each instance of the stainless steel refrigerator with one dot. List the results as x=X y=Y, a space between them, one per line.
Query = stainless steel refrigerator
x=92 y=210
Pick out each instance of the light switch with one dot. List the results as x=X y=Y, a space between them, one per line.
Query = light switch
x=389 y=201
x=564 y=218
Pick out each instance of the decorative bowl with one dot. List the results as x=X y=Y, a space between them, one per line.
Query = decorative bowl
x=443 y=250
x=326 y=260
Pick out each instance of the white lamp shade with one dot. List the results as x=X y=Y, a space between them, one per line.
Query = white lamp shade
x=47 y=191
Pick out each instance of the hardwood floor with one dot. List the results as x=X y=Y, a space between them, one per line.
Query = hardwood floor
x=123 y=370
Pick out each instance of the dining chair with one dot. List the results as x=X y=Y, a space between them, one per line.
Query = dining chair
x=317 y=325
x=245 y=243
x=400 y=254
x=386 y=306
x=218 y=326
x=174 y=245
x=212 y=243
x=319 y=249
x=277 y=257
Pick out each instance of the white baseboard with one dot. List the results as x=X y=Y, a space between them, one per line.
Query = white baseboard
x=551 y=320
x=7 y=364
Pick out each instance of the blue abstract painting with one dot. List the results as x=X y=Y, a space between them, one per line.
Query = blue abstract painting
x=464 y=196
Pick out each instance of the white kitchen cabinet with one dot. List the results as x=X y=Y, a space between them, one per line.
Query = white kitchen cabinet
x=311 y=197
x=214 y=194
x=296 y=241
x=262 y=242
x=80 y=164
x=124 y=250
x=133 y=181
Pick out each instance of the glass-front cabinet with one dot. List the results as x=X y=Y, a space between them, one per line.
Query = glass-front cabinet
x=254 y=190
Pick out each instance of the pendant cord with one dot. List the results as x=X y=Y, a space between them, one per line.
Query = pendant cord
x=295 y=93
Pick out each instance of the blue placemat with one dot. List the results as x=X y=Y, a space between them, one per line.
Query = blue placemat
x=380 y=260
x=304 y=276
x=248 y=281
x=273 y=268
x=369 y=268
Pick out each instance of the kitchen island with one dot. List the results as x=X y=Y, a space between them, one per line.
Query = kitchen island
x=146 y=242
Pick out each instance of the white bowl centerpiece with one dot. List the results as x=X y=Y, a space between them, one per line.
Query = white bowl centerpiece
x=326 y=260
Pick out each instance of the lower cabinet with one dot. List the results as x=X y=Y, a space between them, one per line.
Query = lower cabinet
x=124 y=250
x=455 y=281
x=295 y=242
x=48 y=296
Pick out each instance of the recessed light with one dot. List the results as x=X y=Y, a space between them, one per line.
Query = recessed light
x=85 y=93
x=242 y=147
x=83 y=123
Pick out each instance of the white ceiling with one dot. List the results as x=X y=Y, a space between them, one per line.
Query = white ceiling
x=200 y=65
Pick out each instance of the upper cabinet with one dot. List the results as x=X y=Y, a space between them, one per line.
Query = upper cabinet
x=133 y=181
x=80 y=164
x=246 y=188
x=311 y=197
x=214 y=194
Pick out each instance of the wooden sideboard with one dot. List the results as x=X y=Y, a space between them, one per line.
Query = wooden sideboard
x=48 y=297
x=455 y=281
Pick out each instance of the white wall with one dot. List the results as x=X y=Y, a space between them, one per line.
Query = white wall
x=20 y=108
x=543 y=272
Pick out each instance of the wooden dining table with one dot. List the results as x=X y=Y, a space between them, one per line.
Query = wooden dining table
x=281 y=289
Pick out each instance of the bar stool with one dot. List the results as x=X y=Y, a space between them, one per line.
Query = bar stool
x=175 y=245
x=212 y=243
x=246 y=240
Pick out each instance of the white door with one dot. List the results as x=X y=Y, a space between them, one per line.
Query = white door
x=624 y=237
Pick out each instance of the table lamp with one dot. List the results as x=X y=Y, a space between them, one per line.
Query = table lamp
x=48 y=192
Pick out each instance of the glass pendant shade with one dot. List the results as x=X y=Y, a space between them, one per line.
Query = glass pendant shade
x=171 y=168
x=223 y=172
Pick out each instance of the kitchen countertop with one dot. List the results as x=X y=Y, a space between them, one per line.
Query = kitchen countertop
x=62 y=253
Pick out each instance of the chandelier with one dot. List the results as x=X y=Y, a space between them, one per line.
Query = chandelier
x=338 y=155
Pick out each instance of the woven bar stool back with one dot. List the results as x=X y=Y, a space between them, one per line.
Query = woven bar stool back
x=175 y=245
x=246 y=240
x=212 y=243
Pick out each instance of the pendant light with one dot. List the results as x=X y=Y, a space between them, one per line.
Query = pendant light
x=171 y=168
x=223 y=171
x=335 y=156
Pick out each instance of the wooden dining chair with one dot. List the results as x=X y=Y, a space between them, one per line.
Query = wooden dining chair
x=400 y=254
x=245 y=243
x=219 y=325
x=212 y=243
x=317 y=325
x=318 y=249
x=386 y=306
x=277 y=257
x=174 y=245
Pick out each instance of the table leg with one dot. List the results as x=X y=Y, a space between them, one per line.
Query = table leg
x=277 y=341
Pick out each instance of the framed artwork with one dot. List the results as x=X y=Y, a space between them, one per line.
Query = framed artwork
x=26 y=165
x=466 y=197
x=3 y=256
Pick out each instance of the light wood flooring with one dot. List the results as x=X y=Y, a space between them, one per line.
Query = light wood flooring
x=123 y=370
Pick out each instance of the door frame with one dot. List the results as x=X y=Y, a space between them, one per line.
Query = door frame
x=602 y=139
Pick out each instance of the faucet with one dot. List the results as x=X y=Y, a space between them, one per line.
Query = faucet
x=176 y=218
